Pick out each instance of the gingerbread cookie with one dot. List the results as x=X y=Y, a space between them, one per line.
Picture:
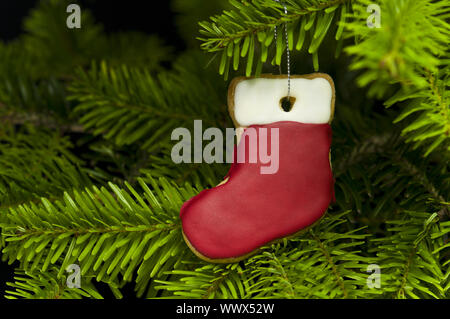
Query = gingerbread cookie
x=281 y=180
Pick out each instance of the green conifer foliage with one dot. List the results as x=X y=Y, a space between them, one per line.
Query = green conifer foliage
x=86 y=175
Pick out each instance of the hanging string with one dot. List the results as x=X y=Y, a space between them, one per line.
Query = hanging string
x=288 y=57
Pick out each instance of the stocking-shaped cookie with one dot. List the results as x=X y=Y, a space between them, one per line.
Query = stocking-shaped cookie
x=280 y=182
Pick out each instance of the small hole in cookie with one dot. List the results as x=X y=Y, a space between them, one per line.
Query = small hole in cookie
x=286 y=103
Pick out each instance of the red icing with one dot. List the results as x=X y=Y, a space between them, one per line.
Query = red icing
x=252 y=209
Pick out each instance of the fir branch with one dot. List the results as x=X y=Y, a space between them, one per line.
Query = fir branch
x=36 y=163
x=430 y=105
x=296 y=268
x=135 y=49
x=249 y=28
x=200 y=175
x=413 y=252
x=47 y=286
x=133 y=233
x=278 y=275
x=251 y=10
x=337 y=275
x=397 y=51
x=39 y=120
x=55 y=48
x=128 y=105
x=206 y=282
x=109 y=235
x=324 y=263
x=188 y=13
x=421 y=177
x=376 y=173
x=36 y=68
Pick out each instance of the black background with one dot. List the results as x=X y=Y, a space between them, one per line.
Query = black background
x=153 y=17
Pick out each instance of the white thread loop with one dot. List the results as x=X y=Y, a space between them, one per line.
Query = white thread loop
x=288 y=58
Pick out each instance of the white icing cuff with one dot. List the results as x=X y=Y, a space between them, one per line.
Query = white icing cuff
x=257 y=101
